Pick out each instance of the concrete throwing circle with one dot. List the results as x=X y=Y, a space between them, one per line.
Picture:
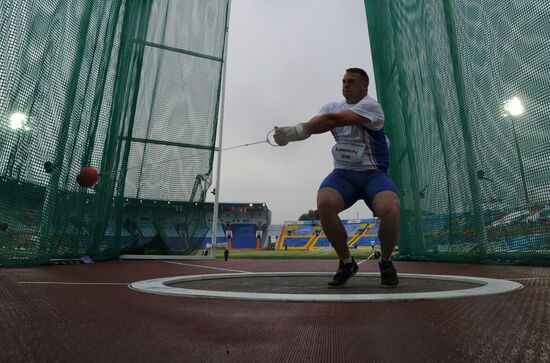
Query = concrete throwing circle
x=245 y=287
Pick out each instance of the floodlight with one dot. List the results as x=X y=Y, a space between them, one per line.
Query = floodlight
x=17 y=121
x=514 y=106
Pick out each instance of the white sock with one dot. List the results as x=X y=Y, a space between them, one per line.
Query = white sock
x=347 y=260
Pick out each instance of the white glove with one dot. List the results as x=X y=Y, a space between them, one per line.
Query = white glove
x=284 y=135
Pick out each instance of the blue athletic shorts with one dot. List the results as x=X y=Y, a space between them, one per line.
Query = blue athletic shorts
x=354 y=185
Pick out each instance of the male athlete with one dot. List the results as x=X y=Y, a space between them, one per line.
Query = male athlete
x=361 y=160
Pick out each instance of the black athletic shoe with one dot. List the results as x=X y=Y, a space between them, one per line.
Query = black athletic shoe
x=344 y=273
x=388 y=274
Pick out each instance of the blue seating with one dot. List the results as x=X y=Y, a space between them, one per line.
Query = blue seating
x=148 y=231
x=126 y=238
x=244 y=236
x=172 y=238
x=351 y=228
x=367 y=241
x=304 y=230
x=322 y=242
x=296 y=241
x=374 y=229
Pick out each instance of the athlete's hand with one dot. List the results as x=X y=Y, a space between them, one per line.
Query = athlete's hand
x=284 y=135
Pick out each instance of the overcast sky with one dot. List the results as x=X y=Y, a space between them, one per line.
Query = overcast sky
x=286 y=59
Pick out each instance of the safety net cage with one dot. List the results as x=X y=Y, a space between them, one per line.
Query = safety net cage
x=130 y=88
x=465 y=86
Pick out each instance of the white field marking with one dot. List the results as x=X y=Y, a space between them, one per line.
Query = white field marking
x=528 y=278
x=360 y=262
x=485 y=286
x=71 y=283
x=213 y=268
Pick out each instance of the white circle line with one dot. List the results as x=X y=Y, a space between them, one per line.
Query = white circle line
x=487 y=286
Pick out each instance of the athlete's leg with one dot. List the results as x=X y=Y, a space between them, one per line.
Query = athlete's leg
x=386 y=206
x=380 y=194
x=335 y=194
x=329 y=203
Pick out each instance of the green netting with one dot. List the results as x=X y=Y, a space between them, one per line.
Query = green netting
x=129 y=87
x=465 y=86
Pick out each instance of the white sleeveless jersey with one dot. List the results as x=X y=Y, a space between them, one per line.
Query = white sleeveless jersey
x=360 y=148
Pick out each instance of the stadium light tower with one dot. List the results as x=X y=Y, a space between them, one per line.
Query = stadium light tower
x=514 y=107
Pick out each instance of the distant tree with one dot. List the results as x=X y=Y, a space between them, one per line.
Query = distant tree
x=310 y=215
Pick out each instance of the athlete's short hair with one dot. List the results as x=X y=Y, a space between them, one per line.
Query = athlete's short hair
x=359 y=71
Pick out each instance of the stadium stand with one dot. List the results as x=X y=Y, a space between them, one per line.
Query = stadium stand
x=244 y=225
x=367 y=242
x=367 y=235
x=110 y=233
x=273 y=233
x=296 y=243
x=172 y=238
x=322 y=242
x=305 y=230
x=244 y=236
x=351 y=228
x=147 y=231
x=220 y=240
x=308 y=235
x=372 y=229
x=297 y=235
x=126 y=238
